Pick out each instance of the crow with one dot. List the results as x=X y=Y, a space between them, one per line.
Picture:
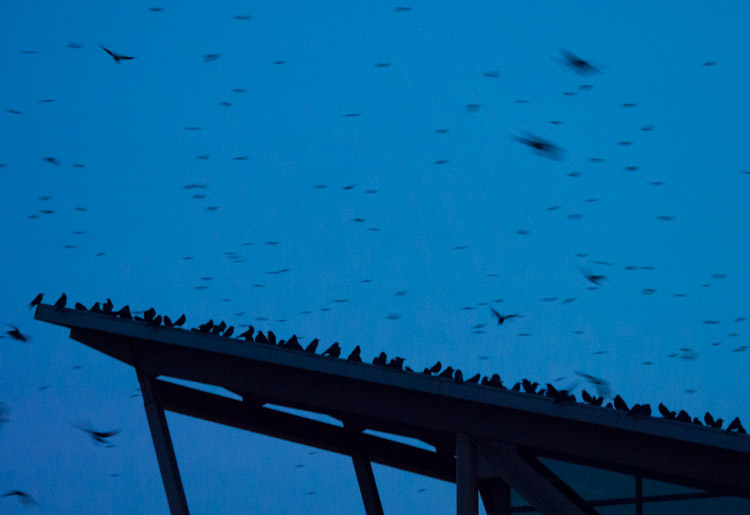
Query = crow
x=117 y=57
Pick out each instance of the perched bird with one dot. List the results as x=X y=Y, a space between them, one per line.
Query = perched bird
x=528 y=386
x=434 y=369
x=80 y=307
x=60 y=304
x=167 y=321
x=333 y=351
x=735 y=425
x=37 y=300
x=247 y=335
x=474 y=378
x=541 y=146
x=620 y=404
x=96 y=308
x=228 y=332
x=16 y=334
x=458 y=377
x=501 y=318
x=117 y=57
x=495 y=381
x=312 y=346
x=396 y=363
x=217 y=329
x=577 y=64
x=666 y=413
x=180 y=321
x=99 y=436
x=447 y=373
x=23 y=497
x=292 y=343
x=124 y=313
x=682 y=416
x=271 y=338
x=261 y=338
x=107 y=307
x=641 y=410
x=355 y=355
x=154 y=322
x=381 y=359
x=709 y=420
x=150 y=313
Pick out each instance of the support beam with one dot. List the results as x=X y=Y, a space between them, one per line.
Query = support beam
x=157 y=423
x=467 y=501
x=240 y=415
x=531 y=482
x=367 y=486
x=495 y=496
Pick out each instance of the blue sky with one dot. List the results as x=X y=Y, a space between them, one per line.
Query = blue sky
x=262 y=161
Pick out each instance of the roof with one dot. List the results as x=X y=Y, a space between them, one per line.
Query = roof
x=431 y=409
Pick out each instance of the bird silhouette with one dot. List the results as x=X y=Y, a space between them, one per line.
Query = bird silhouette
x=180 y=321
x=80 y=307
x=333 y=351
x=124 y=313
x=355 y=355
x=501 y=318
x=271 y=338
x=228 y=332
x=96 y=308
x=117 y=57
x=150 y=313
x=261 y=338
x=16 y=334
x=541 y=146
x=99 y=436
x=167 y=321
x=447 y=373
x=312 y=346
x=60 y=303
x=577 y=64
x=248 y=334
x=292 y=343
x=23 y=497
x=37 y=300
x=154 y=322
x=709 y=420
x=591 y=276
x=620 y=404
x=107 y=307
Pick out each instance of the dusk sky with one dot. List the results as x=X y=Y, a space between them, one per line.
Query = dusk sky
x=356 y=172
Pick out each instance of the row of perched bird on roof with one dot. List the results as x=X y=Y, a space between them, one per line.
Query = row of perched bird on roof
x=152 y=319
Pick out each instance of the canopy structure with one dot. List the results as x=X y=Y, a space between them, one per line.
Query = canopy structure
x=520 y=453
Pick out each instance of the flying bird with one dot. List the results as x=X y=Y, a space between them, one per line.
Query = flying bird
x=117 y=57
x=99 y=436
x=16 y=334
x=501 y=318
x=541 y=146
x=577 y=64
x=37 y=300
x=23 y=497
x=591 y=276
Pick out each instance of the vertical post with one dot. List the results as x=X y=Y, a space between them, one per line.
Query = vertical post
x=157 y=423
x=638 y=495
x=495 y=496
x=467 y=498
x=367 y=486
